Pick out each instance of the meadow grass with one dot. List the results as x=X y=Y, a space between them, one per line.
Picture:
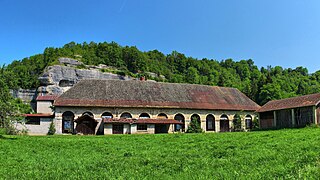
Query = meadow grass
x=280 y=154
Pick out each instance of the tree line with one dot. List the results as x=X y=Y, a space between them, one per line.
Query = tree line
x=261 y=85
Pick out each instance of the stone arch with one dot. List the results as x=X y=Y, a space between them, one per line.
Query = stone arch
x=236 y=122
x=67 y=122
x=162 y=116
x=210 y=123
x=126 y=115
x=107 y=115
x=197 y=117
x=144 y=115
x=224 y=123
x=179 y=127
x=248 y=121
x=88 y=113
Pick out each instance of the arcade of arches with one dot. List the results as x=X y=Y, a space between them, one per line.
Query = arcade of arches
x=126 y=120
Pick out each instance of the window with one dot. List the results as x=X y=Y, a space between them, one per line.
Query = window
x=107 y=115
x=125 y=115
x=210 y=122
x=33 y=120
x=67 y=122
x=162 y=116
x=144 y=115
x=142 y=127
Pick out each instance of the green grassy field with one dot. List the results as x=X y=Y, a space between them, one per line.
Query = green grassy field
x=289 y=154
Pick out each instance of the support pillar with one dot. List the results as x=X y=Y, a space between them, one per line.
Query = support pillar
x=293 y=121
x=315 y=115
x=274 y=119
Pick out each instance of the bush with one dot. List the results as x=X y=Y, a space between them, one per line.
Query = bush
x=194 y=126
x=2 y=131
x=52 y=129
x=256 y=124
x=237 y=123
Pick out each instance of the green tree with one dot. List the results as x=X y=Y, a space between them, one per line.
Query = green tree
x=194 y=126
x=192 y=76
x=52 y=129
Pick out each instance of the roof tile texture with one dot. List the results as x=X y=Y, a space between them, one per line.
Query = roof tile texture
x=118 y=93
x=301 y=101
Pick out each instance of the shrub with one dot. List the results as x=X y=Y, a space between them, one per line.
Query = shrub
x=256 y=124
x=194 y=126
x=52 y=129
x=237 y=123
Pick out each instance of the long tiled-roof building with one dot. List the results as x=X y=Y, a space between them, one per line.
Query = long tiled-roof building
x=120 y=107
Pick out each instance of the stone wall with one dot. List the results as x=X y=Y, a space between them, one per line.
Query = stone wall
x=44 y=107
x=34 y=129
x=153 y=112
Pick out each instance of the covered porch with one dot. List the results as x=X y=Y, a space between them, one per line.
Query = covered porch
x=138 y=126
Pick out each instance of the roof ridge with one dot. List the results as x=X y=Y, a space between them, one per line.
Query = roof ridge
x=139 y=81
x=302 y=96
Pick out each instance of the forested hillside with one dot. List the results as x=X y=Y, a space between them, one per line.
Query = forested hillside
x=261 y=85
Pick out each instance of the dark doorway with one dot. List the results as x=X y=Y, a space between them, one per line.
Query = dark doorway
x=161 y=128
x=210 y=123
x=248 y=122
x=67 y=122
x=224 y=123
x=86 y=125
x=179 y=127
x=117 y=128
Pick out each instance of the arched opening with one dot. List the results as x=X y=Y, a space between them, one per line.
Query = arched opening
x=144 y=115
x=106 y=115
x=224 y=123
x=162 y=128
x=88 y=113
x=179 y=127
x=162 y=116
x=86 y=124
x=210 y=121
x=126 y=115
x=236 y=122
x=67 y=122
x=248 y=121
x=196 y=117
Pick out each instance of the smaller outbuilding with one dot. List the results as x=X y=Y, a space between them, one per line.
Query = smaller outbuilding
x=38 y=124
x=291 y=112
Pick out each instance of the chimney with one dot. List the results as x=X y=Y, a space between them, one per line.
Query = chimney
x=142 y=78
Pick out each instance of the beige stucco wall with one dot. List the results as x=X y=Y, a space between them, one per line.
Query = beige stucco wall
x=108 y=129
x=44 y=107
x=153 y=112
x=34 y=129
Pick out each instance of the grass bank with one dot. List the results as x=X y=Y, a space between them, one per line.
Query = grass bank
x=288 y=154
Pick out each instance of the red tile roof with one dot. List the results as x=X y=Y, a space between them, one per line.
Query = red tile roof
x=39 y=115
x=118 y=93
x=47 y=98
x=140 y=121
x=301 y=101
x=85 y=117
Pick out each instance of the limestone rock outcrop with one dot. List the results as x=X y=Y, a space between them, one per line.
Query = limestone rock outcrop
x=59 y=78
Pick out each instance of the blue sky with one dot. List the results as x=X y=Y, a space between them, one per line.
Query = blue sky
x=271 y=32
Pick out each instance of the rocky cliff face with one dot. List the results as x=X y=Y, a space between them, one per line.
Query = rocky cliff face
x=59 y=78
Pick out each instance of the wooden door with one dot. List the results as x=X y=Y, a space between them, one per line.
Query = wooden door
x=84 y=129
x=117 y=129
